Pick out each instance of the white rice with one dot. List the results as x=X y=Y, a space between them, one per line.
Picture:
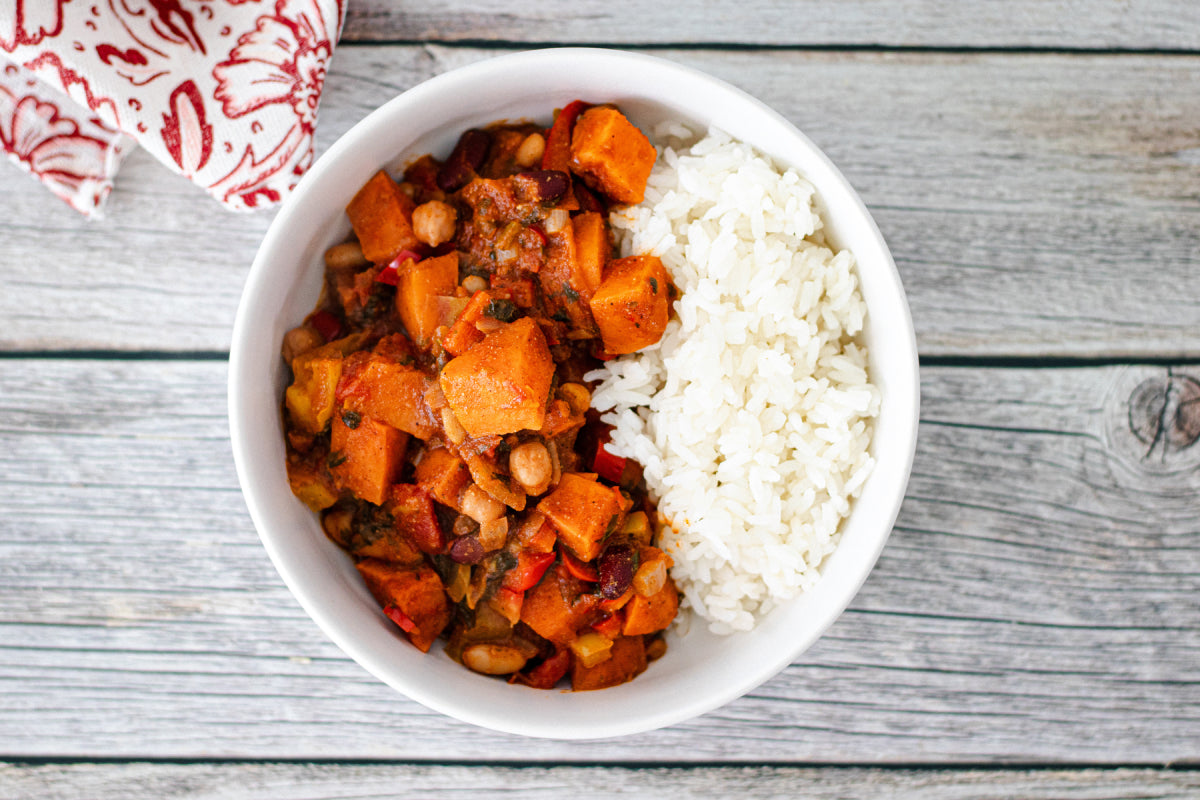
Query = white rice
x=753 y=415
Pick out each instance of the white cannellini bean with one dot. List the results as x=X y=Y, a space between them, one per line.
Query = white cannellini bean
x=531 y=150
x=493 y=659
x=345 y=256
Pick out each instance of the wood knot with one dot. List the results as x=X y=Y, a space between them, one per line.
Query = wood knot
x=1158 y=422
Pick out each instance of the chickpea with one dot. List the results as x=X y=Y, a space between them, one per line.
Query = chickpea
x=493 y=659
x=479 y=505
x=474 y=283
x=345 y=257
x=433 y=222
x=577 y=396
x=299 y=341
x=531 y=150
x=530 y=464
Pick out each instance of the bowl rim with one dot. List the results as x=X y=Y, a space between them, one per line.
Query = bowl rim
x=904 y=398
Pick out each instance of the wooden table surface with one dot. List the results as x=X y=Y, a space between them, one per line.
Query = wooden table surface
x=1032 y=629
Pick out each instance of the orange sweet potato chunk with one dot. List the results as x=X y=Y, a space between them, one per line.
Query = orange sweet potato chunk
x=631 y=307
x=651 y=614
x=417 y=291
x=443 y=474
x=381 y=216
x=592 y=249
x=611 y=155
x=501 y=385
x=628 y=660
x=583 y=510
x=388 y=391
x=366 y=458
x=556 y=608
x=417 y=592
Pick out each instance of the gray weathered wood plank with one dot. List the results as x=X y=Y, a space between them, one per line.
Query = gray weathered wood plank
x=1140 y=24
x=1036 y=603
x=142 y=781
x=1036 y=204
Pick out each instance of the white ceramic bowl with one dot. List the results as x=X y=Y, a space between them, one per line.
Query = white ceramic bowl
x=700 y=671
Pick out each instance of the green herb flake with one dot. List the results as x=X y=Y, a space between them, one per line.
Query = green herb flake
x=336 y=459
x=501 y=309
x=351 y=419
x=654 y=285
x=570 y=292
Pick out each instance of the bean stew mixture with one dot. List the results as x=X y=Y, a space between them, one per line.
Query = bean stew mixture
x=439 y=421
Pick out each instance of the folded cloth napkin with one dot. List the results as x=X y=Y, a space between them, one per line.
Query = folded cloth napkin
x=224 y=92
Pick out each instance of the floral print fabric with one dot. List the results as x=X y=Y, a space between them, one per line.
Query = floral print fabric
x=224 y=92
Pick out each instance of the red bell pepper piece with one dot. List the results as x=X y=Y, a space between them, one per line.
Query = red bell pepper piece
x=529 y=570
x=537 y=231
x=400 y=618
x=326 y=324
x=558 y=140
x=607 y=465
x=546 y=674
x=580 y=569
x=391 y=273
x=610 y=625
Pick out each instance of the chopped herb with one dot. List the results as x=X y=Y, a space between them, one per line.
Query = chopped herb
x=654 y=285
x=501 y=309
x=336 y=459
x=560 y=316
x=571 y=294
x=351 y=419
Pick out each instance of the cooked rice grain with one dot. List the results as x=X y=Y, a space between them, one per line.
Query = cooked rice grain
x=753 y=415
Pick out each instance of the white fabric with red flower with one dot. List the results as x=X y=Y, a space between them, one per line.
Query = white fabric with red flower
x=224 y=92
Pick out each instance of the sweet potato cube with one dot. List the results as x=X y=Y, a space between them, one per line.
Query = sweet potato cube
x=381 y=216
x=651 y=614
x=366 y=458
x=592 y=249
x=631 y=305
x=418 y=290
x=390 y=392
x=628 y=660
x=416 y=592
x=501 y=385
x=611 y=155
x=444 y=475
x=583 y=510
x=556 y=608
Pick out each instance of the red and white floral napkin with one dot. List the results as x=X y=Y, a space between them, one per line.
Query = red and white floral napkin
x=224 y=92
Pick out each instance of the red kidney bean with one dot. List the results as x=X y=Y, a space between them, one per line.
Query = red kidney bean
x=466 y=158
x=548 y=184
x=467 y=550
x=616 y=570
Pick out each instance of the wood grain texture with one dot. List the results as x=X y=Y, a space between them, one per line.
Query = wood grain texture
x=1139 y=24
x=1037 y=602
x=141 y=781
x=1037 y=205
